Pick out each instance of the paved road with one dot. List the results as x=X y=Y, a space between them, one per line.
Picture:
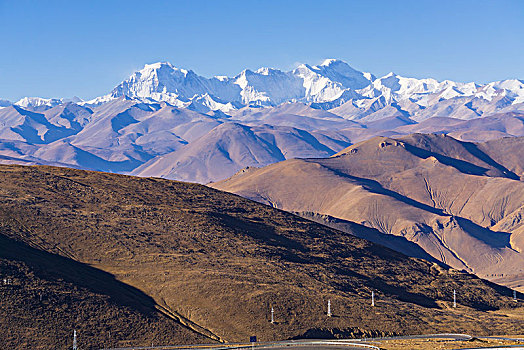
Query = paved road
x=310 y=344
x=302 y=344
x=314 y=344
x=513 y=347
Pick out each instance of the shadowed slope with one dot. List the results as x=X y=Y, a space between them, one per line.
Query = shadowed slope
x=50 y=296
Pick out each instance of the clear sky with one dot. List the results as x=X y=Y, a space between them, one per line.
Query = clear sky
x=84 y=48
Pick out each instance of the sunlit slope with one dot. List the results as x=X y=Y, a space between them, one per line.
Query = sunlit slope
x=452 y=198
x=45 y=297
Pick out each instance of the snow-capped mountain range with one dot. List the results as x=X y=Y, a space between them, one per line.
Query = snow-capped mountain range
x=326 y=86
x=170 y=122
x=331 y=81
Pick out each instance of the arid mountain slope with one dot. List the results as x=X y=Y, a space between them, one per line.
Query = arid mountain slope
x=145 y=137
x=454 y=199
x=492 y=127
x=218 y=262
x=234 y=146
x=45 y=297
x=508 y=152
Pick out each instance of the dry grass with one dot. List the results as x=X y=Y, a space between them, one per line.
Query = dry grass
x=219 y=262
x=433 y=344
x=420 y=191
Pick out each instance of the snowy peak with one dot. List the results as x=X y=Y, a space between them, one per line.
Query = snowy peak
x=263 y=87
x=156 y=78
x=425 y=92
x=327 y=85
x=331 y=61
x=340 y=71
x=158 y=65
x=266 y=71
x=44 y=103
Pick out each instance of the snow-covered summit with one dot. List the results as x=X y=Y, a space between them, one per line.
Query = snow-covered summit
x=266 y=86
x=35 y=102
x=327 y=85
x=339 y=71
x=396 y=88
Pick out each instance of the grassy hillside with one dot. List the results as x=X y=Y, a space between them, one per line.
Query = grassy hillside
x=50 y=296
x=217 y=263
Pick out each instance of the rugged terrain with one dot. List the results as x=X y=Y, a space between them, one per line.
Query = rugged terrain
x=461 y=202
x=169 y=122
x=98 y=245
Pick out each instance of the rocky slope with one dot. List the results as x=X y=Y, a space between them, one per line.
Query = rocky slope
x=460 y=202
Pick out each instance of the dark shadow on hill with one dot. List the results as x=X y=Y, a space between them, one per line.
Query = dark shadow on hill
x=286 y=248
x=460 y=165
x=401 y=294
x=344 y=333
x=376 y=187
x=495 y=239
x=91 y=161
x=473 y=149
x=294 y=251
x=55 y=268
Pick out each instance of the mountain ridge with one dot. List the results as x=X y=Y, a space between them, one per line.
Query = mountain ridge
x=167 y=115
x=461 y=202
x=327 y=85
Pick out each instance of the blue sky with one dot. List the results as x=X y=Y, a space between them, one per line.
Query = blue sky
x=84 y=48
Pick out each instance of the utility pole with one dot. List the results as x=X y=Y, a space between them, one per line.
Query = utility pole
x=454 y=298
x=74 y=340
x=329 y=308
x=372 y=298
x=272 y=315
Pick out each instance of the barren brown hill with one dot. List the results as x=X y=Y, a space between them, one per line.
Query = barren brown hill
x=461 y=202
x=216 y=262
x=45 y=297
x=492 y=127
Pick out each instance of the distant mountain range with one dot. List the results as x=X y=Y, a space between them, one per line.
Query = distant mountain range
x=433 y=170
x=331 y=84
x=170 y=122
